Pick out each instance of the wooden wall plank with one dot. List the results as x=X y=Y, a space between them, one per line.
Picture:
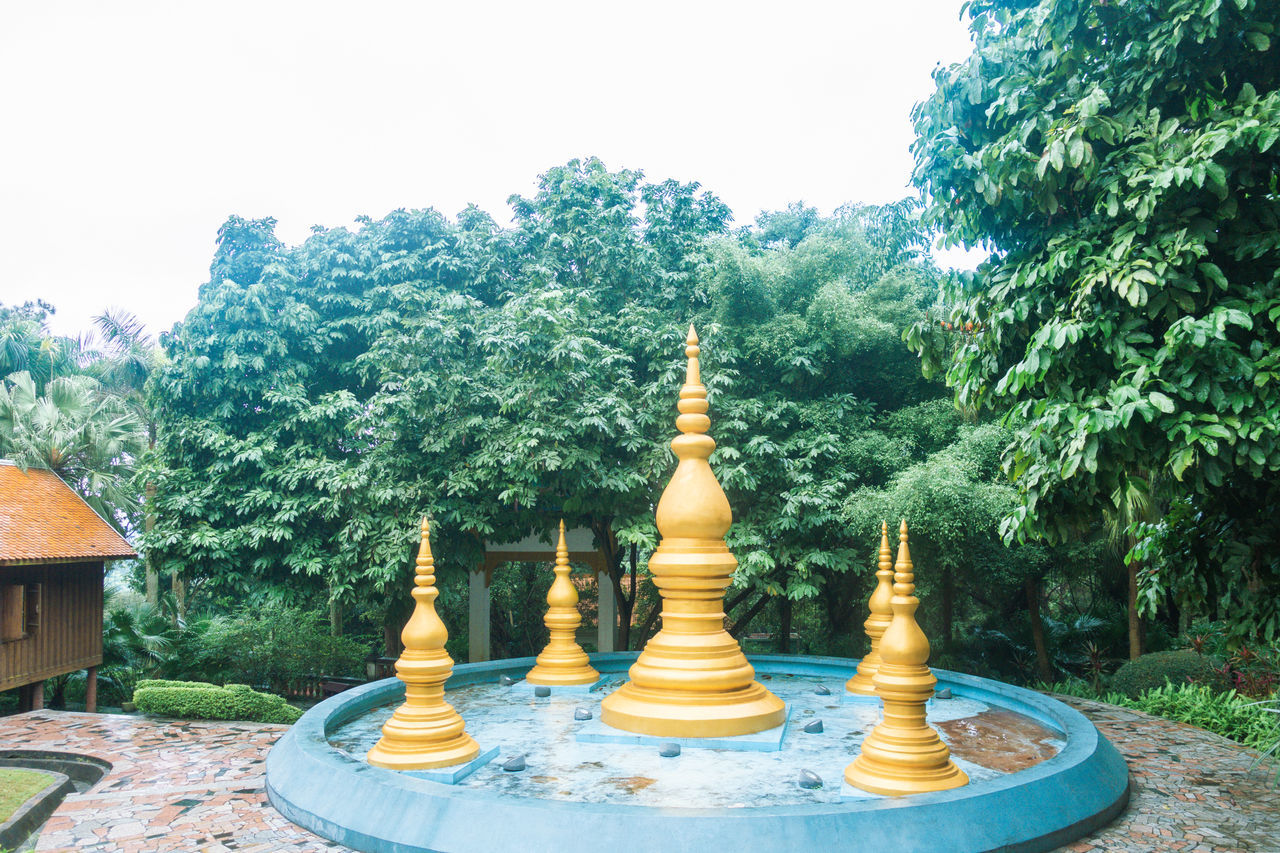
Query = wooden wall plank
x=69 y=634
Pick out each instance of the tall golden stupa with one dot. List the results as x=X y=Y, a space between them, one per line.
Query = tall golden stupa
x=692 y=679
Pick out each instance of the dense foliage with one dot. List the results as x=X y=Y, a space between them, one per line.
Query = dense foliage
x=1120 y=160
x=322 y=396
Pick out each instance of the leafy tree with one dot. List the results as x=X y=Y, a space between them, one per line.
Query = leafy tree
x=1120 y=160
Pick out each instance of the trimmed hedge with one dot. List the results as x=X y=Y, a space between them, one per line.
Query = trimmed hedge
x=196 y=700
x=1159 y=668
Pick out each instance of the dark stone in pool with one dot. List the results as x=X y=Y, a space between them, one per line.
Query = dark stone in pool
x=506 y=680
x=514 y=765
x=542 y=690
x=814 y=728
x=809 y=779
x=944 y=693
x=581 y=714
x=669 y=750
x=822 y=690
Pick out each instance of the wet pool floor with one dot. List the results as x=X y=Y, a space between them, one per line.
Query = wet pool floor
x=985 y=741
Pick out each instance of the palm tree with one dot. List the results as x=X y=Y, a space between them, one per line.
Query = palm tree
x=87 y=437
x=1135 y=500
x=27 y=344
x=129 y=357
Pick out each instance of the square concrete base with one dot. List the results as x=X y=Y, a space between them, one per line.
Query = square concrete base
x=769 y=740
x=455 y=774
x=848 y=792
x=524 y=687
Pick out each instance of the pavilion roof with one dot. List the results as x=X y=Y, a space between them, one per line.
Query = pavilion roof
x=43 y=520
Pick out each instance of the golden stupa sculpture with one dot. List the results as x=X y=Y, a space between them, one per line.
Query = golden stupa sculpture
x=881 y=604
x=692 y=679
x=562 y=662
x=425 y=731
x=903 y=754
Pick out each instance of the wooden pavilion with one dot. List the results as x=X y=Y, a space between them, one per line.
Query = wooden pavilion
x=539 y=548
x=53 y=547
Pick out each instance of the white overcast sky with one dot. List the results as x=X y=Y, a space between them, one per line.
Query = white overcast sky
x=129 y=132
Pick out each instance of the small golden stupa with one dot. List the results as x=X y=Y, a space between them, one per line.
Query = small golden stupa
x=425 y=731
x=904 y=755
x=562 y=662
x=881 y=615
x=692 y=679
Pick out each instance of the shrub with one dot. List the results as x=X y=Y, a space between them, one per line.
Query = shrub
x=1227 y=714
x=1159 y=668
x=199 y=701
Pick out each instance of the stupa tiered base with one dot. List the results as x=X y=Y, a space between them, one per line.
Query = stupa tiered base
x=903 y=755
x=425 y=732
x=689 y=682
x=681 y=713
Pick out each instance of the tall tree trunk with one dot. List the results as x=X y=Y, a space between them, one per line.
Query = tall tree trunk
x=642 y=635
x=948 y=608
x=744 y=621
x=1043 y=666
x=390 y=640
x=626 y=603
x=179 y=598
x=784 y=633
x=335 y=618
x=1135 y=624
x=148 y=563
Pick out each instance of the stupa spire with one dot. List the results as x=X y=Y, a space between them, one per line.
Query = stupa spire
x=904 y=755
x=692 y=679
x=425 y=731
x=881 y=605
x=562 y=661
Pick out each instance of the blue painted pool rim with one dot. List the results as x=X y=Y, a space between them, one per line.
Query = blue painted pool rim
x=372 y=809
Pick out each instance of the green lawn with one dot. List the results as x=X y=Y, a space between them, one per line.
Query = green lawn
x=16 y=786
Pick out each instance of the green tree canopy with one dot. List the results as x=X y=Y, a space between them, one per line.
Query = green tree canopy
x=1120 y=160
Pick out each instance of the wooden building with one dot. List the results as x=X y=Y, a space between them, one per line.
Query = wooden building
x=52 y=550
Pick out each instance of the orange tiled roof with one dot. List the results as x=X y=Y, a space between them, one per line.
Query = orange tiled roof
x=42 y=520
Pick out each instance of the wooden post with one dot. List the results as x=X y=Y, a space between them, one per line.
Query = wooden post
x=91 y=690
x=478 y=613
x=606 y=613
x=37 y=696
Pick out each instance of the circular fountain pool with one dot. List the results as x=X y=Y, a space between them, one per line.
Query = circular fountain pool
x=1040 y=773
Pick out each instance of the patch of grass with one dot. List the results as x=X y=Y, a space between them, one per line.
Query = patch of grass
x=17 y=786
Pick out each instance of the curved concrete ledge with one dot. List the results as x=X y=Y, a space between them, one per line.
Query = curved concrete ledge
x=32 y=814
x=84 y=770
x=372 y=809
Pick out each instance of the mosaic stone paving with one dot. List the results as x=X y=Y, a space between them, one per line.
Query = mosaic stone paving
x=179 y=786
x=561 y=768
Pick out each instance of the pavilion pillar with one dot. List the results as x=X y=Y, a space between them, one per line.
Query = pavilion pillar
x=31 y=696
x=606 y=613
x=478 y=616
x=91 y=690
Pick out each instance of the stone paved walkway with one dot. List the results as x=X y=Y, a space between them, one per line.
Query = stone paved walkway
x=194 y=786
